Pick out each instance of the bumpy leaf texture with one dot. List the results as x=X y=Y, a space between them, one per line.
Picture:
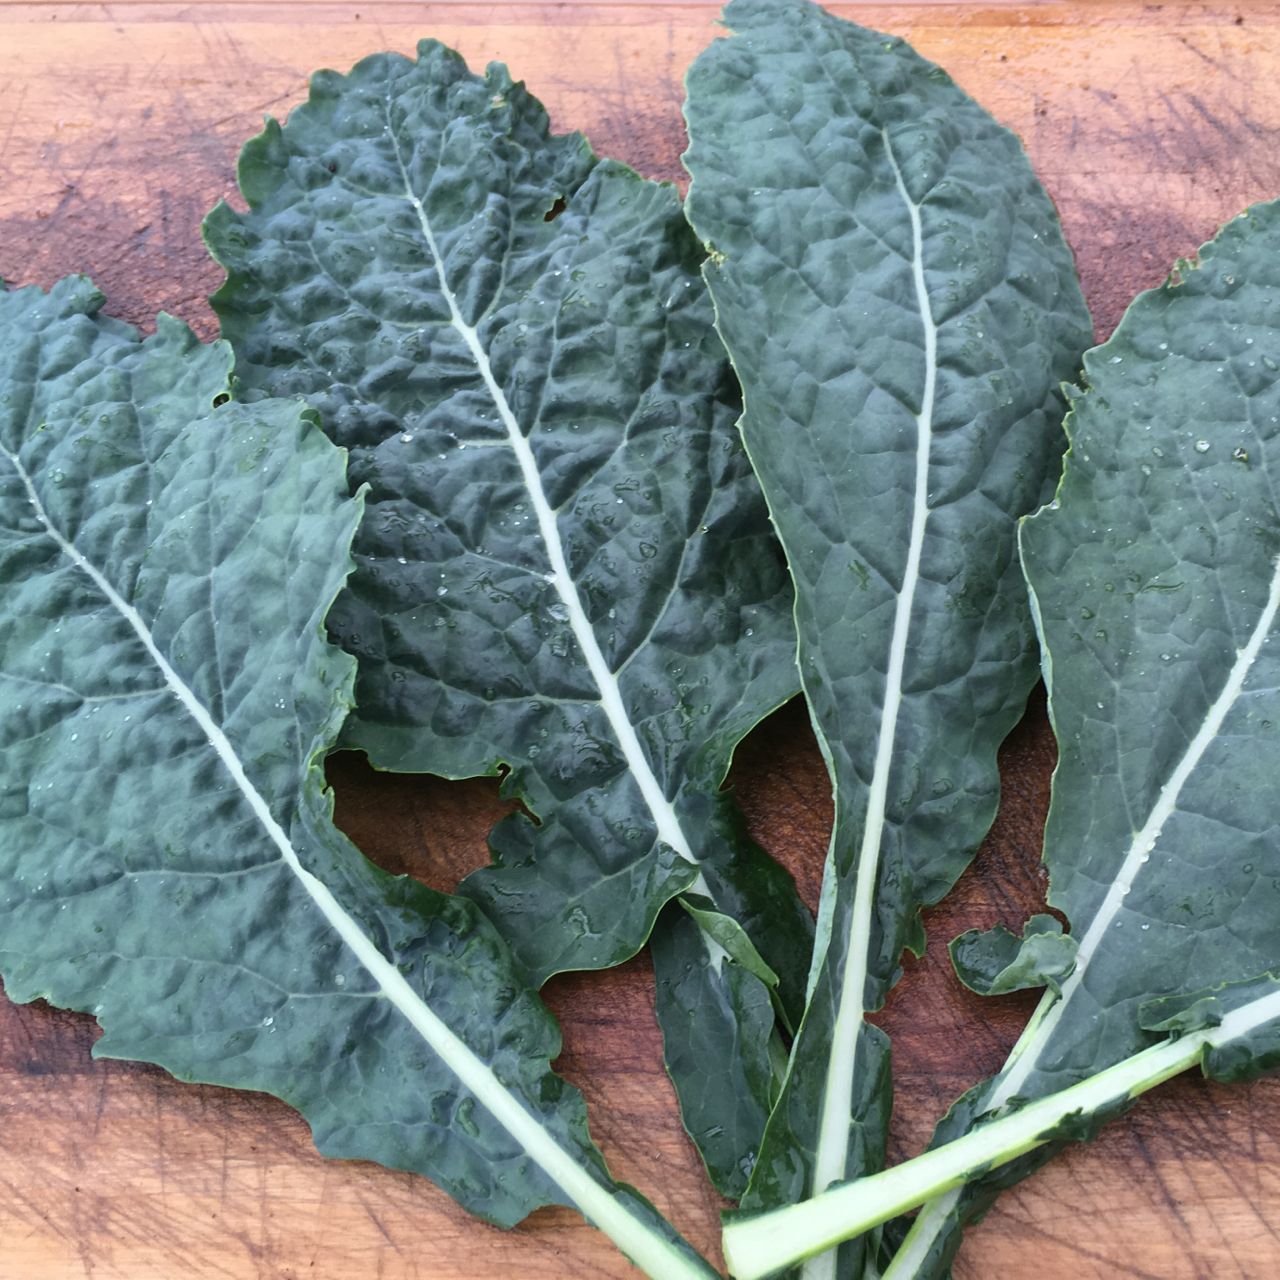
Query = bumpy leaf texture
x=167 y=856
x=566 y=573
x=1154 y=576
x=894 y=291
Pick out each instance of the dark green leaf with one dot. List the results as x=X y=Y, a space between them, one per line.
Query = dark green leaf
x=1155 y=577
x=167 y=856
x=566 y=572
x=994 y=962
x=893 y=287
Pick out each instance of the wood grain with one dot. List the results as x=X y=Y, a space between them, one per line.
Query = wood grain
x=119 y=126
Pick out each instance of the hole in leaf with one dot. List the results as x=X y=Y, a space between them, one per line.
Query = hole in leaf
x=220 y=399
x=555 y=211
x=413 y=824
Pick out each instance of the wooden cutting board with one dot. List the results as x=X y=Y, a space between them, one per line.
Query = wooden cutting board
x=119 y=126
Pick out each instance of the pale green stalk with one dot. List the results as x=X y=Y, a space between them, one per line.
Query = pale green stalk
x=756 y=1247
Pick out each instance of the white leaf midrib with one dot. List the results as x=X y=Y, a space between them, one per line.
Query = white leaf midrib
x=1144 y=841
x=934 y=1217
x=649 y=1249
x=661 y=809
x=831 y=1154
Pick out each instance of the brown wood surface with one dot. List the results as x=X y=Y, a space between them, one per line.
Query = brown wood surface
x=119 y=125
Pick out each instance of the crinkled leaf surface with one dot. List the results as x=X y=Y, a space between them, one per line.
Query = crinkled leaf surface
x=167 y=856
x=895 y=293
x=1155 y=579
x=566 y=570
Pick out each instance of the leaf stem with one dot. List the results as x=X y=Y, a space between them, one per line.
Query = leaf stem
x=935 y=1215
x=756 y=1247
x=831 y=1154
